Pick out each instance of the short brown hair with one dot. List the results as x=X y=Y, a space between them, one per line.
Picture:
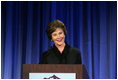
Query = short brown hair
x=52 y=26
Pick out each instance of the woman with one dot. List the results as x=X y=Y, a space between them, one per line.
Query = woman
x=61 y=52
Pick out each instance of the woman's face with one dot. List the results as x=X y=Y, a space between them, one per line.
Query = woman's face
x=58 y=37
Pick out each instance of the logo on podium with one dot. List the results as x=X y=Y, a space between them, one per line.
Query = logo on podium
x=52 y=77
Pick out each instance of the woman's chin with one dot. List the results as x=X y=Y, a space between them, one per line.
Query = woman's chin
x=60 y=43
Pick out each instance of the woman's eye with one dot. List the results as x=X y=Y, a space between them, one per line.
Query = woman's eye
x=54 y=34
x=60 y=33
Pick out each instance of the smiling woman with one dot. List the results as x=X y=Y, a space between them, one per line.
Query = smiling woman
x=61 y=52
x=58 y=37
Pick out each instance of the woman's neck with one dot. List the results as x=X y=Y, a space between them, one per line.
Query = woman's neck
x=61 y=47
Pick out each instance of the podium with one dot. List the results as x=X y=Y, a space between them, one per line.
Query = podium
x=79 y=69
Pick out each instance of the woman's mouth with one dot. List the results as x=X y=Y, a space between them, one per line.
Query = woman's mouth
x=60 y=40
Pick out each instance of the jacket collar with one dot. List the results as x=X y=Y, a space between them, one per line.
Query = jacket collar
x=65 y=51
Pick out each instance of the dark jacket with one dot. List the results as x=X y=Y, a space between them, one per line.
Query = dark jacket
x=69 y=56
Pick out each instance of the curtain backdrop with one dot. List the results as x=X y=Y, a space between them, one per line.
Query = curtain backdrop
x=91 y=27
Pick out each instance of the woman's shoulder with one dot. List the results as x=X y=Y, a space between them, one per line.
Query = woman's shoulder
x=75 y=50
x=46 y=53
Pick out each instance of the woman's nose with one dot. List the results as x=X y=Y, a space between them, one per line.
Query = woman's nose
x=58 y=36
